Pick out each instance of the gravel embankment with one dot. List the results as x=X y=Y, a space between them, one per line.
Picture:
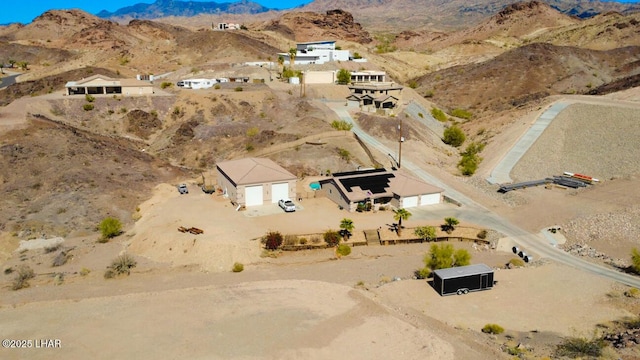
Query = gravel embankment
x=600 y=141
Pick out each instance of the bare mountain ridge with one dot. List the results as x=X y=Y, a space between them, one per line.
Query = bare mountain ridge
x=165 y=8
x=401 y=15
x=511 y=25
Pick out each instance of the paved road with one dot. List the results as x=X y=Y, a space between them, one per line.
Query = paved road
x=473 y=212
x=501 y=173
x=8 y=80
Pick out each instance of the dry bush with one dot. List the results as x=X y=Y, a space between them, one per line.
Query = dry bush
x=21 y=281
x=61 y=259
x=290 y=240
x=120 y=265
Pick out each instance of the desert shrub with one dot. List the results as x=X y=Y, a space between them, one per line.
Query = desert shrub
x=343 y=250
x=493 y=329
x=470 y=160
x=58 y=279
x=8 y=271
x=303 y=241
x=577 y=347
x=249 y=147
x=438 y=114
x=89 y=98
x=51 y=248
x=635 y=260
x=166 y=84
x=413 y=84
x=343 y=76
x=290 y=240
x=422 y=273
x=344 y=154
x=315 y=240
x=84 y=271
x=272 y=240
x=217 y=86
x=120 y=265
x=429 y=94
x=110 y=228
x=61 y=258
x=461 y=113
x=23 y=275
x=253 y=131
x=237 y=267
x=331 y=237
x=632 y=293
x=341 y=125
x=426 y=233
x=517 y=262
x=444 y=256
x=482 y=234
x=238 y=88
x=453 y=136
x=87 y=107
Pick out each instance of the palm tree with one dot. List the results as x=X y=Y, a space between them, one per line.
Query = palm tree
x=292 y=56
x=347 y=226
x=450 y=224
x=399 y=215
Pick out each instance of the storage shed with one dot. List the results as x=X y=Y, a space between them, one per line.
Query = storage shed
x=463 y=279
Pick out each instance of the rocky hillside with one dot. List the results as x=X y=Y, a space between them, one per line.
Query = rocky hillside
x=310 y=26
x=393 y=15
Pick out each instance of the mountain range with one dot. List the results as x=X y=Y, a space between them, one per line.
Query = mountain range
x=385 y=15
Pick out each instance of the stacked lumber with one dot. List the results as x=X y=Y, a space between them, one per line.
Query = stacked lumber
x=191 y=230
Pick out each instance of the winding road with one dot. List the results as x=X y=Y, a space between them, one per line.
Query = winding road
x=474 y=212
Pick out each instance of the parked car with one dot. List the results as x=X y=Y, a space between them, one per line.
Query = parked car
x=287 y=205
x=182 y=188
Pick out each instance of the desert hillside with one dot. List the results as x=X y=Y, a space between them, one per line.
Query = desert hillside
x=494 y=71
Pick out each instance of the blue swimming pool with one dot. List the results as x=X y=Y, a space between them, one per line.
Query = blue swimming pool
x=315 y=186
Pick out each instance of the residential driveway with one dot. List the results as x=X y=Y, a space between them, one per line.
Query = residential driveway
x=8 y=80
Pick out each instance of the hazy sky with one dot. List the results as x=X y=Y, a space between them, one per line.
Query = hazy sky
x=25 y=11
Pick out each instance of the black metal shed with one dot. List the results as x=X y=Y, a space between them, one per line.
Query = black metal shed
x=463 y=279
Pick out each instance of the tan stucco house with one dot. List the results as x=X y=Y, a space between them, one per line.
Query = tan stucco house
x=103 y=85
x=379 y=187
x=255 y=181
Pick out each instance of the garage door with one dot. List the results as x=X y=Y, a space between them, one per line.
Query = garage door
x=279 y=191
x=253 y=195
x=411 y=201
x=430 y=199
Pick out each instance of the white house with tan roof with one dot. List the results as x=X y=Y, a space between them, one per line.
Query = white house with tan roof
x=255 y=181
x=379 y=187
x=103 y=85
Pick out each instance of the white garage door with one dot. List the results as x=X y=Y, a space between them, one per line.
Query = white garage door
x=430 y=199
x=411 y=201
x=253 y=195
x=279 y=191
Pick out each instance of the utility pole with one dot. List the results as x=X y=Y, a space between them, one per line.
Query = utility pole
x=400 y=144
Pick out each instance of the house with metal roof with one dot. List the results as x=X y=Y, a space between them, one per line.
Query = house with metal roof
x=103 y=85
x=255 y=181
x=372 y=188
